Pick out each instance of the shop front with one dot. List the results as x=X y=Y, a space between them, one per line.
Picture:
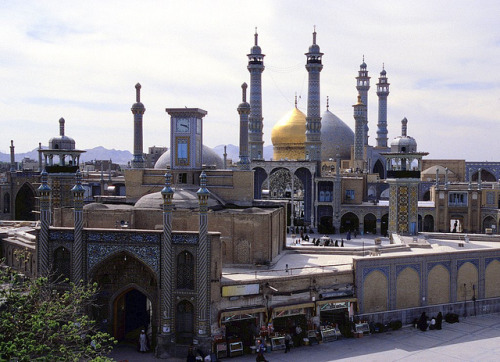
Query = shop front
x=334 y=315
x=294 y=319
x=238 y=330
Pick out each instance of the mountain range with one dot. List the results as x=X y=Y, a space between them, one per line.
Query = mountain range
x=96 y=153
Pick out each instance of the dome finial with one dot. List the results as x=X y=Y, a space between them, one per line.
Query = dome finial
x=327 y=102
x=256 y=37
x=295 y=99
x=314 y=35
x=383 y=66
x=138 y=92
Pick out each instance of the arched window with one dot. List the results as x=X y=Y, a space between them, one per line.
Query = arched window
x=62 y=264
x=185 y=270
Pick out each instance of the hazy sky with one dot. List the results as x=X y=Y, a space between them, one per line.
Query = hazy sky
x=81 y=59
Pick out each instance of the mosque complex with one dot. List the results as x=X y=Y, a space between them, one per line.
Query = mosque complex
x=200 y=250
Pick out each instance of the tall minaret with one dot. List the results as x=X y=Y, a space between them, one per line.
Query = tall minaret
x=166 y=272
x=313 y=119
x=359 y=134
x=12 y=157
x=255 y=67
x=40 y=165
x=382 y=92
x=244 y=111
x=44 y=192
x=138 y=111
x=78 y=192
x=203 y=262
x=363 y=85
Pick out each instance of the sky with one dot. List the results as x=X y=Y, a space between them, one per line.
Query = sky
x=81 y=60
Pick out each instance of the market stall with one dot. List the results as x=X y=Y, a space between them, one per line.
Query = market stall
x=238 y=330
x=293 y=319
x=333 y=314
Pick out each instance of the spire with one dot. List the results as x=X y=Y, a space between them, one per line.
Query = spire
x=138 y=92
x=295 y=99
x=327 y=103
x=256 y=37
x=314 y=35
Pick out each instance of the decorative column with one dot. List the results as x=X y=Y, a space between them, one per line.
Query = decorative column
x=382 y=93
x=363 y=85
x=138 y=110
x=44 y=192
x=78 y=250
x=292 y=195
x=244 y=112
x=203 y=263
x=255 y=67
x=167 y=259
x=313 y=119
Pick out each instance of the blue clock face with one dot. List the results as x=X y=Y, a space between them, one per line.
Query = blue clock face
x=182 y=125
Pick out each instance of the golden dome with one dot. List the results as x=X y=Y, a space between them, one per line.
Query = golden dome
x=289 y=136
x=290 y=129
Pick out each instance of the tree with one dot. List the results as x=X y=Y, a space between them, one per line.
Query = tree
x=47 y=320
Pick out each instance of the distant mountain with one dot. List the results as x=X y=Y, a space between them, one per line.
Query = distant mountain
x=96 y=153
x=233 y=152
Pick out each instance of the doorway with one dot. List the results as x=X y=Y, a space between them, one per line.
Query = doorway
x=132 y=313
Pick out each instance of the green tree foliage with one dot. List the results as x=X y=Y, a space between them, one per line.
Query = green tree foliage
x=48 y=321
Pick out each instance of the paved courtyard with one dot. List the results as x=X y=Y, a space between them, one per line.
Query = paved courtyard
x=473 y=339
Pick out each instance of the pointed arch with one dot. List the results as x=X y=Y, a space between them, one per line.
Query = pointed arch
x=378 y=168
x=25 y=203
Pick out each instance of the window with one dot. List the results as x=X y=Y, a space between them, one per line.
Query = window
x=490 y=198
x=185 y=270
x=458 y=199
x=349 y=195
x=62 y=264
x=182 y=150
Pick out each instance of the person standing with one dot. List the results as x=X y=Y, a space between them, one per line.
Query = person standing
x=261 y=348
x=143 y=342
x=288 y=339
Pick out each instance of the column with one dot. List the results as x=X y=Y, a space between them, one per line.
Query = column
x=167 y=259
x=78 y=249
x=44 y=192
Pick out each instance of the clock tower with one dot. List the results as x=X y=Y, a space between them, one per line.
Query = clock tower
x=186 y=138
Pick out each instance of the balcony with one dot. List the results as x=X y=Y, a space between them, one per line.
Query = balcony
x=403 y=174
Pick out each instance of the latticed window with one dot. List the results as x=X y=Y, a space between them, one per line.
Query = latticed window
x=185 y=270
x=62 y=264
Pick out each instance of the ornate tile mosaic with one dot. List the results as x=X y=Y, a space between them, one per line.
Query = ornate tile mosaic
x=185 y=238
x=150 y=254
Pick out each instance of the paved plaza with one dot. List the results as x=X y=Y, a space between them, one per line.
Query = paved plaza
x=473 y=339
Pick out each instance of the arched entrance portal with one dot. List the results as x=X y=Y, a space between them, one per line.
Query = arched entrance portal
x=128 y=297
x=184 y=322
x=370 y=224
x=132 y=312
x=25 y=203
x=429 y=223
x=349 y=222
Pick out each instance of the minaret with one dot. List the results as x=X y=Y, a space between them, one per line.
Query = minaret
x=44 y=192
x=244 y=111
x=203 y=263
x=166 y=272
x=313 y=119
x=337 y=196
x=255 y=67
x=138 y=111
x=78 y=191
x=12 y=158
x=363 y=85
x=359 y=134
x=404 y=165
x=40 y=166
x=382 y=92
